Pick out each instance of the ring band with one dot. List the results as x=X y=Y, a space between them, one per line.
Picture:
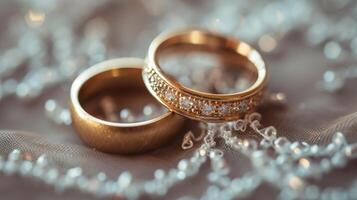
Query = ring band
x=113 y=137
x=197 y=105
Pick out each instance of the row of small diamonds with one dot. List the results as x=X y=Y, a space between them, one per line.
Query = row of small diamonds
x=197 y=105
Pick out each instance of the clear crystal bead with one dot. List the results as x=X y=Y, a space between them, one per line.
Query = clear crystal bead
x=183 y=165
x=281 y=144
x=42 y=161
x=26 y=167
x=226 y=128
x=304 y=163
x=65 y=117
x=339 y=160
x=15 y=155
x=159 y=174
x=270 y=132
x=254 y=117
x=220 y=166
x=332 y=81
x=270 y=173
x=296 y=148
x=101 y=176
x=325 y=165
x=38 y=171
x=124 y=179
x=181 y=175
x=9 y=167
x=259 y=158
x=216 y=154
x=250 y=145
x=332 y=50
x=74 y=172
x=351 y=151
x=339 y=139
x=312 y=192
x=51 y=175
x=283 y=159
x=331 y=148
x=240 y=125
x=50 y=106
x=295 y=183
x=314 y=149
x=265 y=143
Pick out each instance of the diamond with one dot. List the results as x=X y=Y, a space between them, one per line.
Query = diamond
x=207 y=109
x=169 y=95
x=243 y=105
x=224 y=109
x=185 y=103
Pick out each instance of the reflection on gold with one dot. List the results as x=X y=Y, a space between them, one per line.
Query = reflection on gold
x=108 y=106
x=115 y=73
x=35 y=18
x=243 y=49
x=196 y=37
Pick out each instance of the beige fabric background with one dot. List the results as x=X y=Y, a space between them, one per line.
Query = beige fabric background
x=310 y=115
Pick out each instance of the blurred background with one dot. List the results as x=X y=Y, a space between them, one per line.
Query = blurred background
x=310 y=48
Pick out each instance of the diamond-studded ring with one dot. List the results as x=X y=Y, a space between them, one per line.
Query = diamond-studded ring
x=202 y=106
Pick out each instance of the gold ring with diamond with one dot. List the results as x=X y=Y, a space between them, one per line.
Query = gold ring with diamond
x=203 y=106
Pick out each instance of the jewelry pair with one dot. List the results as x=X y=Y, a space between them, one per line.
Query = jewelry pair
x=182 y=102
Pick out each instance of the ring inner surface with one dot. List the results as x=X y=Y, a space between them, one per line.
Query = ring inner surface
x=119 y=95
x=210 y=66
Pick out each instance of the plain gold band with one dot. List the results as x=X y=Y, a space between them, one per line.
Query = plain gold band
x=115 y=137
x=200 y=105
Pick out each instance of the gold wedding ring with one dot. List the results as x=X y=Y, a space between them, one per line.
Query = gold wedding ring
x=198 y=105
x=114 y=137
